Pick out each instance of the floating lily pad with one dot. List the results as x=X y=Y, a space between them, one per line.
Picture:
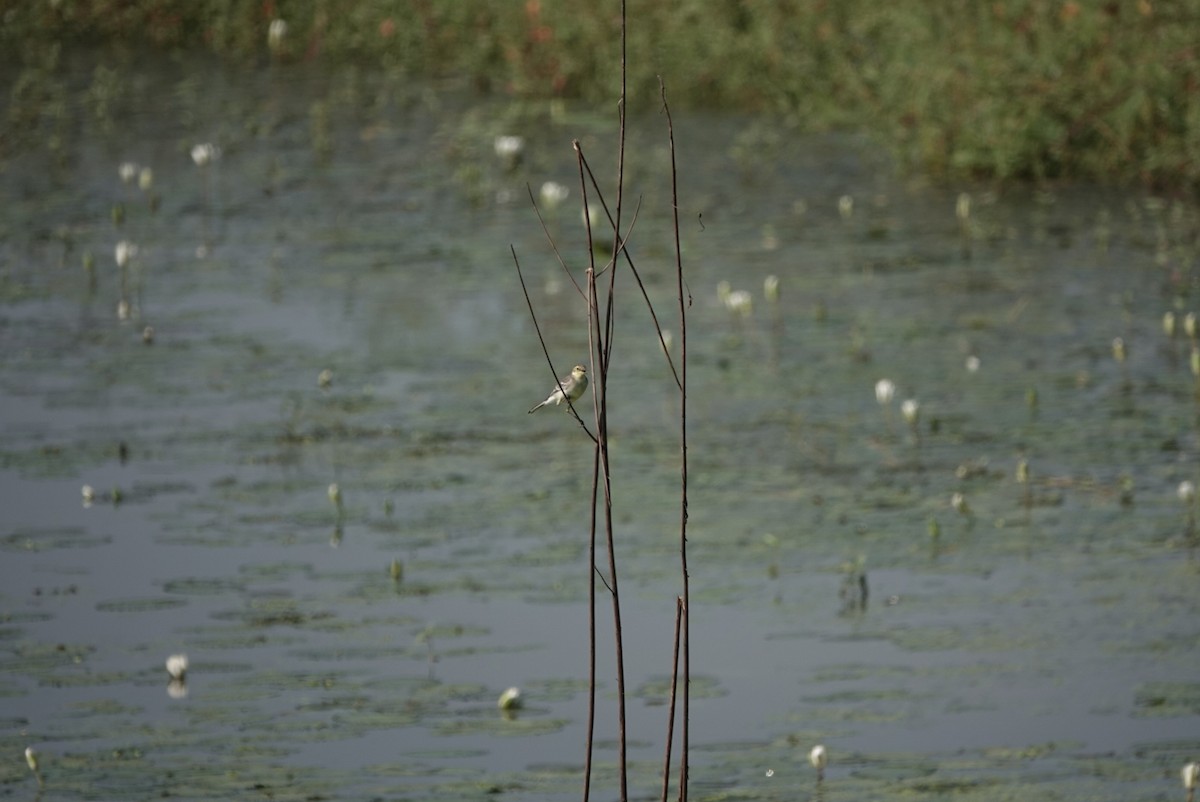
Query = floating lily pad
x=139 y=605
x=1168 y=698
x=49 y=539
x=202 y=587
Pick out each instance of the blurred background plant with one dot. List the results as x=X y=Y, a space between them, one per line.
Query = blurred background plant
x=1010 y=89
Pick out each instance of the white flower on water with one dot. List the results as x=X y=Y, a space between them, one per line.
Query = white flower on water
x=335 y=494
x=740 y=302
x=124 y=252
x=510 y=147
x=205 y=153
x=31 y=759
x=818 y=757
x=1168 y=323
x=962 y=207
x=145 y=179
x=959 y=502
x=885 y=391
x=845 y=206
x=177 y=666
x=275 y=33
x=911 y=410
x=724 y=288
x=89 y=495
x=325 y=378
x=591 y=218
x=1191 y=776
x=1189 y=324
x=510 y=699
x=1118 y=349
x=123 y=309
x=554 y=193
x=771 y=288
x=128 y=171
x=972 y=364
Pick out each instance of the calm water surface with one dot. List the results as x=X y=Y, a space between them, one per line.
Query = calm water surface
x=1041 y=645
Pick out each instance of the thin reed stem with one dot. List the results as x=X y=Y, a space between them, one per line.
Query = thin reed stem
x=683 y=459
x=591 y=586
x=666 y=773
x=633 y=269
x=601 y=399
x=550 y=239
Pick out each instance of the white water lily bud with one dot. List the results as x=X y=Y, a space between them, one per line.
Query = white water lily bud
x=740 y=302
x=31 y=759
x=205 y=153
x=1191 y=776
x=1118 y=349
x=885 y=391
x=508 y=147
x=1168 y=323
x=127 y=171
x=818 y=757
x=771 y=289
x=554 y=193
x=911 y=410
x=1186 y=491
x=845 y=206
x=276 y=31
x=962 y=207
x=1023 y=471
x=177 y=666
x=724 y=289
x=959 y=502
x=124 y=252
x=1189 y=324
x=510 y=699
x=145 y=179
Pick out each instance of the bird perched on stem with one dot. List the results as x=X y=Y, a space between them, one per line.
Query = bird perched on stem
x=571 y=387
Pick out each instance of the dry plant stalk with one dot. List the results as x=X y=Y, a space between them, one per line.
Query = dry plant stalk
x=601 y=334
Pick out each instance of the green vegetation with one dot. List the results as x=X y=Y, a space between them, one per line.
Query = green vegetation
x=1028 y=89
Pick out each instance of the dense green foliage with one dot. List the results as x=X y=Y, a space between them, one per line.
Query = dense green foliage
x=1000 y=88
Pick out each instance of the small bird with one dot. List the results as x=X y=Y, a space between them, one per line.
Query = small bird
x=572 y=388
